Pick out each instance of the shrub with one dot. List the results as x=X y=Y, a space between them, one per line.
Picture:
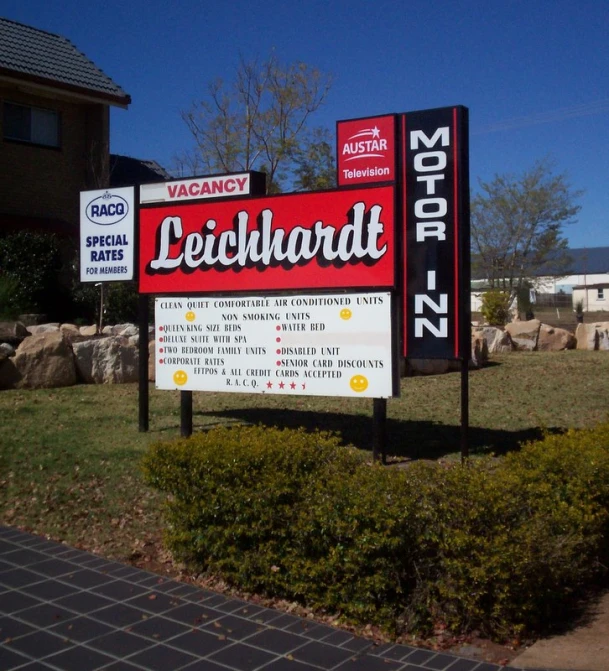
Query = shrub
x=9 y=287
x=498 y=546
x=495 y=307
x=34 y=261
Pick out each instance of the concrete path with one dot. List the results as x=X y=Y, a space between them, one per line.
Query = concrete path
x=586 y=648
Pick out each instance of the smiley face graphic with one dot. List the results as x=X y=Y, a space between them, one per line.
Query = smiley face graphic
x=358 y=383
x=190 y=316
x=345 y=313
x=180 y=377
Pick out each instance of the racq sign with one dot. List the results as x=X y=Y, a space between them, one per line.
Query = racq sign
x=333 y=239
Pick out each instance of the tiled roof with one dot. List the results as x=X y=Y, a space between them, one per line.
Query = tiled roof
x=51 y=59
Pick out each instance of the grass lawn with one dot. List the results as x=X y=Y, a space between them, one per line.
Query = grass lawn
x=69 y=458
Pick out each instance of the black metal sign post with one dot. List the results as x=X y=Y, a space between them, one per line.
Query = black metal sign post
x=143 y=390
x=186 y=414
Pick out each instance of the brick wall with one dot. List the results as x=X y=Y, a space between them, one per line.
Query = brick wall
x=43 y=181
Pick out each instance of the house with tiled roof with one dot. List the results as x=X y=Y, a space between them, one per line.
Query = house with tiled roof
x=54 y=128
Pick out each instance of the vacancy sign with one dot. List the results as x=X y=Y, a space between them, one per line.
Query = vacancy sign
x=331 y=345
x=197 y=188
x=366 y=150
x=107 y=241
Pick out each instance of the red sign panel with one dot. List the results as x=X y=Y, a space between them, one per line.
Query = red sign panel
x=330 y=239
x=366 y=150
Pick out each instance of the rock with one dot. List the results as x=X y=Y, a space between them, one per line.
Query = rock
x=32 y=319
x=128 y=331
x=524 y=335
x=9 y=375
x=497 y=340
x=602 y=328
x=108 y=360
x=36 y=329
x=586 y=336
x=13 y=333
x=553 y=339
x=427 y=366
x=6 y=351
x=88 y=330
x=70 y=330
x=479 y=354
x=121 y=330
x=151 y=360
x=45 y=360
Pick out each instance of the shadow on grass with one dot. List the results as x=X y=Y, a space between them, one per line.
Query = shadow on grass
x=405 y=439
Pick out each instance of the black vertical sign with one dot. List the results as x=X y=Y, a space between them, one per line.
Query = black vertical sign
x=435 y=206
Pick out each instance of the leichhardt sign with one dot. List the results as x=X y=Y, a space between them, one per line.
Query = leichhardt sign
x=330 y=345
x=322 y=240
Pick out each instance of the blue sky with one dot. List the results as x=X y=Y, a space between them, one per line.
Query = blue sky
x=534 y=73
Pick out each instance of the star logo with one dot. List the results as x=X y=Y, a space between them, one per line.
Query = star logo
x=269 y=385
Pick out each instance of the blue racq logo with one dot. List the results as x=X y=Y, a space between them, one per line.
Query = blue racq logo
x=107 y=209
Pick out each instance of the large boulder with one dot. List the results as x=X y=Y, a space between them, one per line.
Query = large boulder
x=6 y=350
x=110 y=360
x=427 y=366
x=36 y=329
x=497 y=340
x=524 y=335
x=479 y=355
x=553 y=339
x=586 y=336
x=88 y=330
x=13 y=333
x=70 y=331
x=602 y=328
x=45 y=360
x=9 y=376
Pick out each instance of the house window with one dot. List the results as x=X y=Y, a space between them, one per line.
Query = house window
x=601 y=294
x=31 y=124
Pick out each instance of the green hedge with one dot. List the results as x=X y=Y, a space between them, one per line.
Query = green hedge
x=497 y=546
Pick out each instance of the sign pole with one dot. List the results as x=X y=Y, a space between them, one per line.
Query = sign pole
x=143 y=401
x=379 y=418
x=186 y=414
x=464 y=409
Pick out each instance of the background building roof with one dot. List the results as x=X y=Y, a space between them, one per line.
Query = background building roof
x=45 y=58
x=125 y=171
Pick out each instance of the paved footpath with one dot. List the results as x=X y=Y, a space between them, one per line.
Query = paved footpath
x=63 y=609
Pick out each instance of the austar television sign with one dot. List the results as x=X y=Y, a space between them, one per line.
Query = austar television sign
x=366 y=150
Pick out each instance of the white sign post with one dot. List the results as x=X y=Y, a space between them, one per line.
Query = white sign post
x=107 y=238
x=332 y=345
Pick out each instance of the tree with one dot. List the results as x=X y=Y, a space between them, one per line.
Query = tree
x=517 y=226
x=315 y=167
x=256 y=122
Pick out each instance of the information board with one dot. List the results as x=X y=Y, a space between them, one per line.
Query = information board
x=331 y=345
x=107 y=239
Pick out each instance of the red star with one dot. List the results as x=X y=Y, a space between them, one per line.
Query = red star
x=281 y=385
x=269 y=385
x=304 y=386
x=292 y=385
